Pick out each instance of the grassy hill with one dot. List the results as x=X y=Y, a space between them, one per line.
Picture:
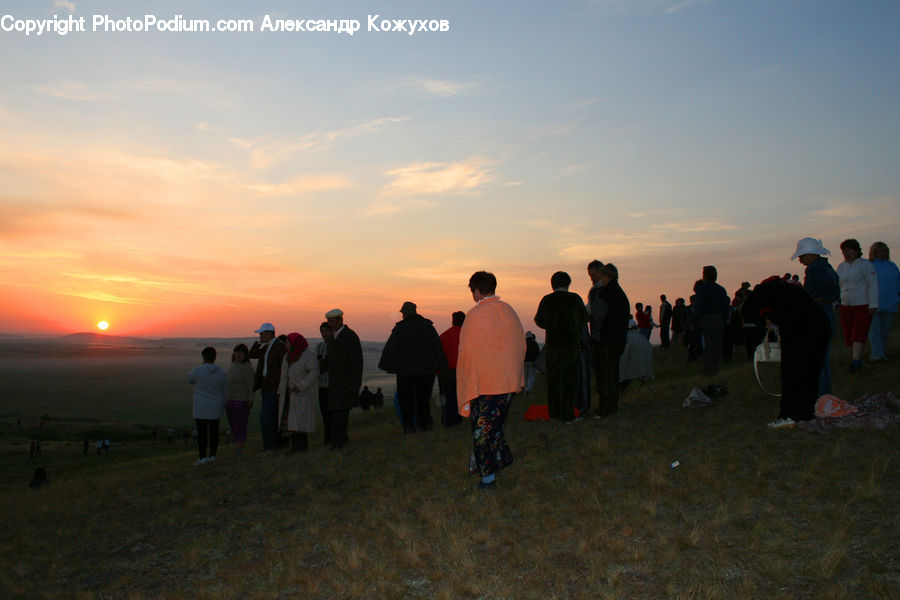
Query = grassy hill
x=590 y=510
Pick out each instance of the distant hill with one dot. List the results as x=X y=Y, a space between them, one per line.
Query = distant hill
x=106 y=340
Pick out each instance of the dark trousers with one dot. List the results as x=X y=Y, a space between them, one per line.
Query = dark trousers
x=207 y=432
x=562 y=381
x=268 y=420
x=606 y=369
x=450 y=411
x=326 y=414
x=299 y=441
x=713 y=329
x=664 y=334
x=414 y=397
x=801 y=363
x=340 y=419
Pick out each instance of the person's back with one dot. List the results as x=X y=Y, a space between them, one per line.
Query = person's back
x=414 y=348
x=210 y=384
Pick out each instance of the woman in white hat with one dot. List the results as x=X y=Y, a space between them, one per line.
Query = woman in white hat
x=822 y=285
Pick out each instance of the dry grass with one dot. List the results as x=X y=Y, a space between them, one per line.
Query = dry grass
x=592 y=510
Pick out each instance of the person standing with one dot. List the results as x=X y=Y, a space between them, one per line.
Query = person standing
x=532 y=350
x=888 y=277
x=270 y=352
x=489 y=373
x=561 y=313
x=413 y=352
x=665 y=321
x=712 y=307
x=344 y=363
x=678 y=318
x=859 y=299
x=297 y=393
x=210 y=393
x=321 y=354
x=644 y=320
x=608 y=309
x=240 y=394
x=823 y=287
x=447 y=379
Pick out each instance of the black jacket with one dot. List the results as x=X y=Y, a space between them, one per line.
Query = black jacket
x=414 y=348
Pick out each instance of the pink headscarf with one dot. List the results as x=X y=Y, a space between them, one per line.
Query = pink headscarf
x=298 y=344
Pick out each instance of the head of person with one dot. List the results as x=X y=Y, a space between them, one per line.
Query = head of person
x=240 y=354
x=648 y=309
x=335 y=319
x=851 y=250
x=679 y=301
x=662 y=298
x=639 y=307
x=208 y=354
x=458 y=318
x=326 y=332
x=746 y=285
x=808 y=251
x=266 y=332
x=710 y=273
x=482 y=284
x=408 y=310
x=560 y=279
x=608 y=273
x=697 y=284
x=593 y=270
x=879 y=251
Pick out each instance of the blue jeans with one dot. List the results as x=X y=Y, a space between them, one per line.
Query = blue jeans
x=825 y=373
x=268 y=420
x=879 y=331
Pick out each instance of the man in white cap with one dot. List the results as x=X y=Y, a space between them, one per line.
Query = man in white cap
x=344 y=364
x=822 y=285
x=270 y=352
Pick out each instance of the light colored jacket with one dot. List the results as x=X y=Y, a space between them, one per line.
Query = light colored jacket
x=888 y=285
x=491 y=352
x=859 y=283
x=299 y=384
x=210 y=391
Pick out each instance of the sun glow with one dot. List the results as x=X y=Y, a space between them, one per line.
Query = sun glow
x=103 y=325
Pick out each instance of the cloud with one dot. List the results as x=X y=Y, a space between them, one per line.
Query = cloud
x=845 y=211
x=69 y=6
x=439 y=88
x=274 y=152
x=693 y=226
x=298 y=185
x=70 y=90
x=438 y=178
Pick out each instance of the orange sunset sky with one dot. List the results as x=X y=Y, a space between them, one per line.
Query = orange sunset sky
x=197 y=184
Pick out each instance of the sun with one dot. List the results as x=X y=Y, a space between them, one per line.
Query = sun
x=103 y=325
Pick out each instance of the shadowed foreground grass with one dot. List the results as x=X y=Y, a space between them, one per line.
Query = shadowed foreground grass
x=590 y=510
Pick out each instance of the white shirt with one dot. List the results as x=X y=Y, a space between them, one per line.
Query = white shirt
x=859 y=283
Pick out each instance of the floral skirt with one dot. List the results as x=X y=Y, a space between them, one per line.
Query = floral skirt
x=489 y=450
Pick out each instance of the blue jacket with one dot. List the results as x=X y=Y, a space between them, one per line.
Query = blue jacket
x=888 y=285
x=822 y=283
x=709 y=299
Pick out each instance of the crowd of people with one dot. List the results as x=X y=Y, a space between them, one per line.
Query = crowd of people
x=485 y=357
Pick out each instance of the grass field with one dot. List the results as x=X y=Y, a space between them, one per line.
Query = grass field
x=591 y=510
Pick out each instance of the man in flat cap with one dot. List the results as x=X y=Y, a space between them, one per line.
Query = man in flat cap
x=270 y=352
x=414 y=353
x=344 y=364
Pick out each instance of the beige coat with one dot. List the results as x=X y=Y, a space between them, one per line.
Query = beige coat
x=299 y=384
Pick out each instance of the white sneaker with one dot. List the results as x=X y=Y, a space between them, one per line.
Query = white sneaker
x=782 y=423
x=201 y=461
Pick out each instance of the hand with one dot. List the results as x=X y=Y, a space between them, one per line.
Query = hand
x=872 y=311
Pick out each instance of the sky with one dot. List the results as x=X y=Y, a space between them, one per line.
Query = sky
x=197 y=184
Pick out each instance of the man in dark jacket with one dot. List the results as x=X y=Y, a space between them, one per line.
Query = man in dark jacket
x=414 y=353
x=344 y=363
x=562 y=314
x=712 y=308
x=609 y=312
x=270 y=352
x=665 y=320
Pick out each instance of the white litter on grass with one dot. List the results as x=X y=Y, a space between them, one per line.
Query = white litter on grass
x=675 y=464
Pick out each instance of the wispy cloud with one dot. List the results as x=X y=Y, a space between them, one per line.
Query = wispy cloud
x=439 y=88
x=438 y=178
x=70 y=90
x=298 y=185
x=267 y=153
x=65 y=4
x=693 y=226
